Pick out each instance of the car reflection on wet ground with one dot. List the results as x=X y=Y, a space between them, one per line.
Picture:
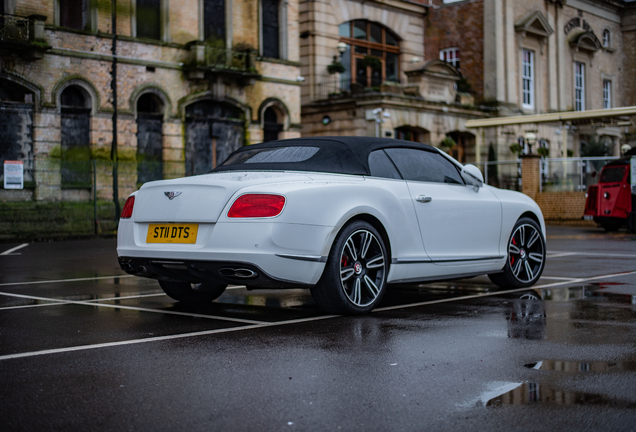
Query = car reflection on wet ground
x=84 y=346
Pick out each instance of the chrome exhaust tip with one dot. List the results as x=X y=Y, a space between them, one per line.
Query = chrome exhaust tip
x=241 y=273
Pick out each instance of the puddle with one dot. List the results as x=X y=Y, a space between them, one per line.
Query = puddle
x=575 y=367
x=526 y=318
x=588 y=291
x=534 y=393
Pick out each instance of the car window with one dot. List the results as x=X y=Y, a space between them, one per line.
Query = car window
x=381 y=166
x=273 y=155
x=612 y=175
x=421 y=165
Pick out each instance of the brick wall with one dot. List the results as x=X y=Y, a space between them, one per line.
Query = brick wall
x=458 y=25
x=563 y=208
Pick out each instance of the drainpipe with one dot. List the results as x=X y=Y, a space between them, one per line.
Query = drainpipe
x=113 y=149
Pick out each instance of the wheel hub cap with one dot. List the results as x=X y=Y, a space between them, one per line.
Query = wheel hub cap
x=522 y=254
x=357 y=268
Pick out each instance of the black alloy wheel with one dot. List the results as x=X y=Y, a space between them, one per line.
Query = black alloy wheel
x=354 y=279
x=526 y=256
x=187 y=292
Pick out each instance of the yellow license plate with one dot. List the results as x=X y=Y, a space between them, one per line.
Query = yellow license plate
x=172 y=233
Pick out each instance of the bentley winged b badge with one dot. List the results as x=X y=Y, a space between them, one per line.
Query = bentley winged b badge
x=172 y=195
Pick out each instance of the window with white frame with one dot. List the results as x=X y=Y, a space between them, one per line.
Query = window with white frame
x=606 y=38
x=527 y=79
x=450 y=55
x=607 y=94
x=579 y=86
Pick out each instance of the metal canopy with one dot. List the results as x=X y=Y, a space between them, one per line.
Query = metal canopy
x=565 y=116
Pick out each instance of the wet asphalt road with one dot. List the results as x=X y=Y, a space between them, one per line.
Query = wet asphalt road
x=85 y=347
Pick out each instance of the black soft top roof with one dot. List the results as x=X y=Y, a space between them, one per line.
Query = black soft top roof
x=341 y=155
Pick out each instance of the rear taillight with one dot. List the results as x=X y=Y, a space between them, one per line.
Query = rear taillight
x=126 y=213
x=257 y=205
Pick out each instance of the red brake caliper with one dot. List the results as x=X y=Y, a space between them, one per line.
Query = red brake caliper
x=512 y=258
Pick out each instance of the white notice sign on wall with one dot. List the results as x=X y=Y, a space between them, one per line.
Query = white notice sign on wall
x=13 y=175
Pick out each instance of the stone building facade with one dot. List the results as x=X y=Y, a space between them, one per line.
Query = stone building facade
x=367 y=73
x=195 y=80
x=543 y=56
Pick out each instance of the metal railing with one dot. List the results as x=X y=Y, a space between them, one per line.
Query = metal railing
x=14 y=28
x=502 y=174
x=73 y=198
x=227 y=59
x=571 y=174
x=345 y=86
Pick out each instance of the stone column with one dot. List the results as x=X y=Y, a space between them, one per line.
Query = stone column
x=530 y=175
x=561 y=52
x=512 y=55
x=553 y=99
x=494 y=51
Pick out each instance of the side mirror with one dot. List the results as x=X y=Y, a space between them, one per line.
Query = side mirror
x=473 y=176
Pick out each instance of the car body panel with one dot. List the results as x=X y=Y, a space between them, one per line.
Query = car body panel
x=462 y=231
x=456 y=222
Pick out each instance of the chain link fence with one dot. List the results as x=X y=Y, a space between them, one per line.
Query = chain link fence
x=67 y=199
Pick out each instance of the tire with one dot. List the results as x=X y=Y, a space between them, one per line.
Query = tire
x=612 y=226
x=354 y=280
x=525 y=258
x=192 y=293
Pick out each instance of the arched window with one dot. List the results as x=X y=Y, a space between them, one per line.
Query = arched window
x=606 y=38
x=149 y=138
x=372 y=53
x=16 y=124
x=76 y=149
x=271 y=127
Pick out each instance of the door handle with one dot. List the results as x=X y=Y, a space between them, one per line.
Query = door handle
x=423 y=199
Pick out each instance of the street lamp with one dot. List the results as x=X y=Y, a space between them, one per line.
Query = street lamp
x=530 y=138
x=342 y=47
x=378 y=115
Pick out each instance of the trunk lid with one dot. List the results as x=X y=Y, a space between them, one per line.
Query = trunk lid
x=199 y=198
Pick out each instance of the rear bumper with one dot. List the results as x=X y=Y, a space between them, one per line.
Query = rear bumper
x=276 y=251
x=218 y=272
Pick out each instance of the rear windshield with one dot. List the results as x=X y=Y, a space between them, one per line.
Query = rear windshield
x=612 y=175
x=272 y=155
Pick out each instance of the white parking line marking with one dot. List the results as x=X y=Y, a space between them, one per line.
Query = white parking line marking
x=87 y=303
x=558 y=255
x=162 y=338
x=296 y=321
x=558 y=278
x=8 y=251
x=52 y=303
x=495 y=293
x=126 y=297
x=593 y=254
x=63 y=302
x=66 y=280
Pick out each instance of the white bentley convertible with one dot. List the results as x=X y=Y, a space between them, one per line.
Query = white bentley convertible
x=342 y=216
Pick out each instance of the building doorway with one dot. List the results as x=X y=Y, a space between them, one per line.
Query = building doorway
x=213 y=131
x=149 y=138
